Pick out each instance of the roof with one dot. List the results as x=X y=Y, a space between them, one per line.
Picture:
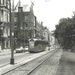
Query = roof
x=26 y=8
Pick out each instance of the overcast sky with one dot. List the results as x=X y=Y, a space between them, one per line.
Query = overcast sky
x=50 y=12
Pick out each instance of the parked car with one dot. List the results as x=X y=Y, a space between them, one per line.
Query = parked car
x=26 y=48
x=19 y=50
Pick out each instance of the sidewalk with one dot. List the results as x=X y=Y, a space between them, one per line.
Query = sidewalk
x=67 y=64
x=5 y=51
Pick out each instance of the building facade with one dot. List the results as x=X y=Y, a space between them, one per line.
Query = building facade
x=26 y=26
x=46 y=34
x=5 y=23
x=24 y=22
x=39 y=30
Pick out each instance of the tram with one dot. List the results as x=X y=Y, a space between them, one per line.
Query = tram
x=37 y=46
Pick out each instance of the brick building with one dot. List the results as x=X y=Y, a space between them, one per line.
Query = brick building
x=24 y=22
x=26 y=26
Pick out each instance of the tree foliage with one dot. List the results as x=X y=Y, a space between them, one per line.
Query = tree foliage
x=65 y=32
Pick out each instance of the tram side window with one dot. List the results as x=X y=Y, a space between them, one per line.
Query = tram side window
x=42 y=43
x=36 y=43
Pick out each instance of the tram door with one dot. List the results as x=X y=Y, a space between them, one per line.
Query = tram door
x=31 y=44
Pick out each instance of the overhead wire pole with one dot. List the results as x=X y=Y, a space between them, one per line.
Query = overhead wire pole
x=12 y=34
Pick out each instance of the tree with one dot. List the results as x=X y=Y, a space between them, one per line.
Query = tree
x=65 y=32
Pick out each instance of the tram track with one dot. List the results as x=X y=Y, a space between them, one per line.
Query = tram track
x=41 y=63
x=29 y=67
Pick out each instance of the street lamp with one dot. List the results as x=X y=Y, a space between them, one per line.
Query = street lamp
x=24 y=36
x=12 y=34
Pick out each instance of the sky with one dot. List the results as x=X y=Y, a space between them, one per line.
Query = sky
x=51 y=11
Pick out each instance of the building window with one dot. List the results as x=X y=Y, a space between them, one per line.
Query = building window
x=15 y=19
x=1 y=1
x=8 y=31
x=7 y=4
x=1 y=15
x=8 y=18
x=21 y=27
x=26 y=19
x=26 y=25
x=15 y=25
x=44 y=34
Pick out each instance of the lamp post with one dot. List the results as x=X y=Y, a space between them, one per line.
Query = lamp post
x=24 y=36
x=12 y=35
